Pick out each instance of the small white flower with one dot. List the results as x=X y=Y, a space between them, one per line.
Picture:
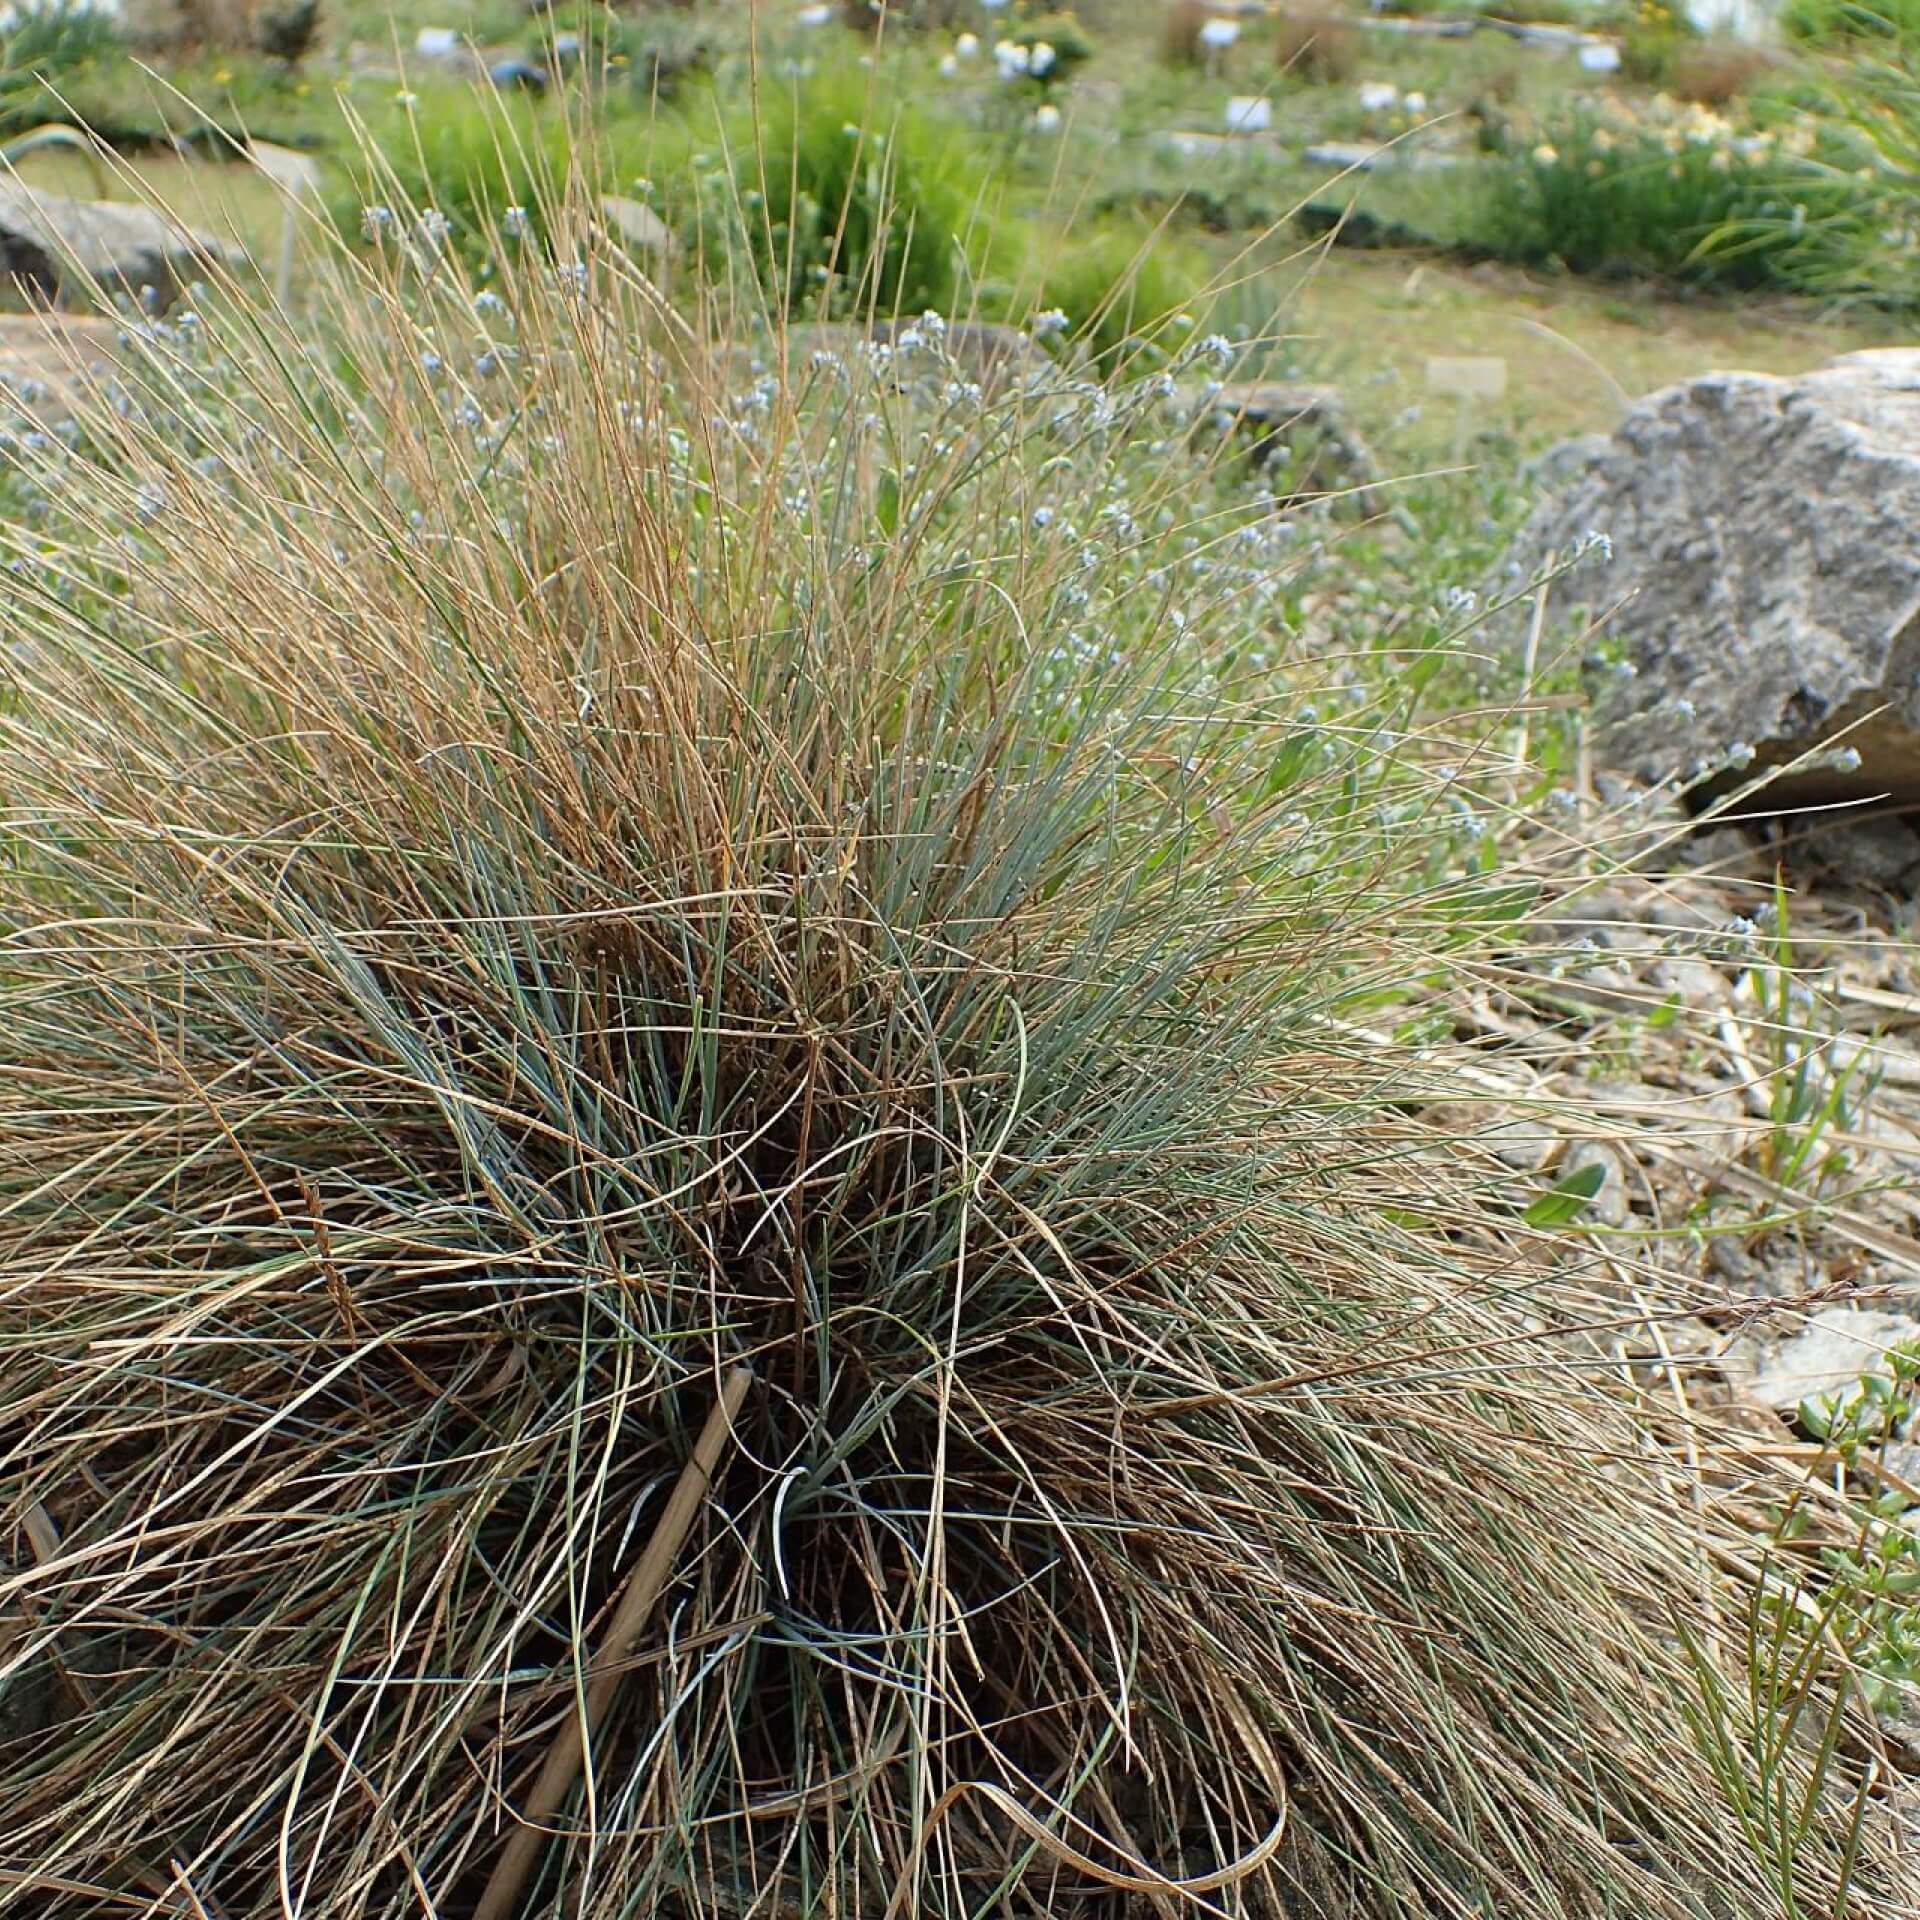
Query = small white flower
x=1739 y=756
x=949 y=65
x=1042 y=518
x=1378 y=96
x=966 y=46
x=514 y=222
x=1041 y=57
x=1046 y=118
x=1052 y=321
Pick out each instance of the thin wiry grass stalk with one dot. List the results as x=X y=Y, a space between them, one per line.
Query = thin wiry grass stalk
x=514 y=906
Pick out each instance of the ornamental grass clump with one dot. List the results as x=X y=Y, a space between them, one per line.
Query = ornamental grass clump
x=544 y=866
x=1674 y=190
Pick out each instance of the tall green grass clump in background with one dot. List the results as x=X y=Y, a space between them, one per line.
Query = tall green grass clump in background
x=469 y=159
x=1845 y=23
x=1680 y=194
x=1122 y=288
x=46 y=43
x=544 y=864
x=851 y=201
x=1870 y=107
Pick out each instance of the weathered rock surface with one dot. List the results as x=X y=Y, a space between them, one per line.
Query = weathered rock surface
x=1305 y=428
x=1764 y=579
x=56 y=250
x=994 y=355
x=988 y=352
x=637 y=228
x=1832 y=1352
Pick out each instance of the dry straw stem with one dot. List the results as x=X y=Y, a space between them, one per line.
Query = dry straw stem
x=637 y=1601
x=531 y=880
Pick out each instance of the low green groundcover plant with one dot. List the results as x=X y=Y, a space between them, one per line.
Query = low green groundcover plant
x=544 y=865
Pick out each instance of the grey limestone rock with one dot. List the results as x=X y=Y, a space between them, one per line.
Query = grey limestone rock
x=57 y=251
x=1764 y=578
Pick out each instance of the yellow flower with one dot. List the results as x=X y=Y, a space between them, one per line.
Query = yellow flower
x=1544 y=155
x=301 y=89
x=1603 y=141
x=221 y=77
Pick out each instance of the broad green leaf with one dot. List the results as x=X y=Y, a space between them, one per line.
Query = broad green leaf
x=1567 y=1199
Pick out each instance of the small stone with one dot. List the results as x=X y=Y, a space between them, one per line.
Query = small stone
x=1307 y=423
x=1836 y=1348
x=1731 y=1263
x=518 y=75
x=637 y=227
